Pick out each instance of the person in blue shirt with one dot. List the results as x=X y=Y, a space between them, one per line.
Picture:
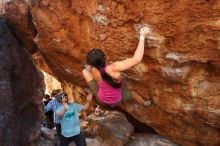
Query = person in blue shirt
x=70 y=123
x=48 y=116
x=53 y=105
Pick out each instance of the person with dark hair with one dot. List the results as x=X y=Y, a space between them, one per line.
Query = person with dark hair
x=53 y=105
x=55 y=92
x=70 y=123
x=46 y=99
x=110 y=89
x=48 y=114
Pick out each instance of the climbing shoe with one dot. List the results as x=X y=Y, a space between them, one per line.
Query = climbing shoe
x=149 y=102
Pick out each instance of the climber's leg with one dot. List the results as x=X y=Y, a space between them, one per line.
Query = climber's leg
x=93 y=87
x=140 y=100
x=126 y=94
x=137 y=97
x=87 y=75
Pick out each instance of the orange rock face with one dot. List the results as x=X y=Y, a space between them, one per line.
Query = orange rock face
x=18 y=16
x=180 y=68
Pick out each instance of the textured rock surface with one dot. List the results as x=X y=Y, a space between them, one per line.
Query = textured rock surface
x=18 y=15
x=180 y=69
x=45 y=142
x=20 y=93
x=149 y=140
x=48 y=133
x=112 y=127
x=51 y=83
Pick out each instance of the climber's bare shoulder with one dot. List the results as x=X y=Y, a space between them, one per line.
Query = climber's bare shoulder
x=123 y=65
x=114 y=74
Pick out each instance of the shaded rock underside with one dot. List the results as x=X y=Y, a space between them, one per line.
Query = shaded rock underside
x=21 y=90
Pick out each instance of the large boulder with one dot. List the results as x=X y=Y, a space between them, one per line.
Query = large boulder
x=180 y=68
x=95 y=141
x=42 y=141
x=112 y=127
x=21 y=92
x=149 y=140
x=50 y=134
x=18 y=15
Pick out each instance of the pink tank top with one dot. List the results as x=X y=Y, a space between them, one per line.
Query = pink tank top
x=108 y=94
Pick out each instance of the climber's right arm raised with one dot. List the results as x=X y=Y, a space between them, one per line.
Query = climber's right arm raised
x=126 y=64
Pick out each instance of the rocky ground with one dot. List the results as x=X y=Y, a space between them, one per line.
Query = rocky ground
x=109 y=129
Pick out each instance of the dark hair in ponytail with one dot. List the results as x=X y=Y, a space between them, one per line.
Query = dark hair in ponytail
x=96 y=58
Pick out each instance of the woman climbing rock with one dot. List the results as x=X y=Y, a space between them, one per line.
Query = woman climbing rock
x=105 y=80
